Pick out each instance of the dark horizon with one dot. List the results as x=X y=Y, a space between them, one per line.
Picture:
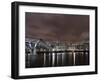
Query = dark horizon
x=62 y=27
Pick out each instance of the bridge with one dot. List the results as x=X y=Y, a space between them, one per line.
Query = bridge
x=41 y=54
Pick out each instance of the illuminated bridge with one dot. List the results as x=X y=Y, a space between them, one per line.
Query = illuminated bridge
x=46 y=54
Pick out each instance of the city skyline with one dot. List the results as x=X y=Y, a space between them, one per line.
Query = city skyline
x=41 y=53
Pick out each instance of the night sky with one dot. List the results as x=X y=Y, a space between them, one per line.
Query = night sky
x=52 y=27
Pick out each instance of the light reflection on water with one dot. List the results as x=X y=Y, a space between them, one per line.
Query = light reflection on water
x=57 y=59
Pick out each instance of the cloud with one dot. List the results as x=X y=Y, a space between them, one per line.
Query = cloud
x=62 y=27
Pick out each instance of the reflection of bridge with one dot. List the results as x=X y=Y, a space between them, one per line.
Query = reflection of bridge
x=42 y=54
x=82 y=57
